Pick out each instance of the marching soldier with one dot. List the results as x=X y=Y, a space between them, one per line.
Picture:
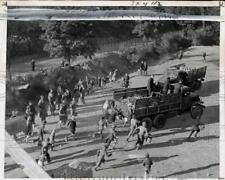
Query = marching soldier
x=111 y=137
x=30 y=119
x=196 y=128
x=147 y=163
x=51 y=99
x=42 y=110
x=101 y=156
x=62 y=114
x=141 y=136
x=133 y=127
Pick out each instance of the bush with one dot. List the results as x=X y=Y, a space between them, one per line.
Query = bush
x=177 y=42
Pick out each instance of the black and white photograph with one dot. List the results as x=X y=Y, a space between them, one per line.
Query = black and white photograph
x=94 y=98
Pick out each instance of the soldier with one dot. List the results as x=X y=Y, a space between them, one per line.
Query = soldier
x=59 y=96
x=101 y=156
x=141 y=136
x=40 y=135
x=204 y=56
x=62 y=114
x=181 y=54
x=142 y=67
x=133 y=126
x=44 y=151
x=101 y=125
x=147 y=163
x=30 y=117
x=33 y=65
x=42 y=110
x=196 y=129
x=111 y=137
x=52 y=139
x=126 y=80
x=178 y=87
x=114 y=75
x=51 y=99
x=150 y=86
x=72 y=127
x=73 y=106
x=66 y=96
x=82 y=94
x=145 y=68
x=166 y=85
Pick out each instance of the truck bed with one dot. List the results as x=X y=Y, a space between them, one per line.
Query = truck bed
x=124 y=93
x=154 y=105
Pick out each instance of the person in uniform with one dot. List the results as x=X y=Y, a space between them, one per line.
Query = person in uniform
x=30 y=119
x=166 y=85
x=62 y=114
x=101 y=154
x=196 y=128
x=101 y=125
x=52 y=139
x=59 y=96
x=178 y=87
x=44 y=151
x=147 y=163
x=126 y=80
x=150 y=86
x=42 y=105
x=51 y=101
x=111 y=137
x=33 y=65
x=40 y=135
x=133 y=126
x=114 y=75
x=72 y=127
x=73 y=106
x=204 y=56
x=141 y=136
x=142 y=67
x=145 y=68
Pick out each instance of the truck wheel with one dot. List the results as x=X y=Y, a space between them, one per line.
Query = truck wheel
x=159 y=121
x=196 y=110
x=148 y=121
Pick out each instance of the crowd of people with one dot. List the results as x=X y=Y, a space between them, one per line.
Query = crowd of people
x=64 y=102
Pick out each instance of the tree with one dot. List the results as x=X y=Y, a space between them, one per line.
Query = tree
x=69 y=39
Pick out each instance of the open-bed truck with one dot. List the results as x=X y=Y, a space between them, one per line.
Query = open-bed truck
x=155 y=110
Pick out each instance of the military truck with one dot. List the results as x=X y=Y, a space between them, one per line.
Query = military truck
x=155 y=110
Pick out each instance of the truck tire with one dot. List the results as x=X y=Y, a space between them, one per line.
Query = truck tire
x=148 y=121
x=159 y=121
x=196 y=110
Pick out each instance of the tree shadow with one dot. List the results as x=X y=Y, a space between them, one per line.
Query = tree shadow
x=65 y=155
x=85 y=155
x=136 y=161
x=209 y=88
x=191 y=170
x=183 y=121
x=93 y=142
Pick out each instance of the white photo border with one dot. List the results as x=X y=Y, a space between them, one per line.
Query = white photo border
x=3 y=41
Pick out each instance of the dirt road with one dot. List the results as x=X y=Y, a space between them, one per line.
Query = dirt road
x=172 y=154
